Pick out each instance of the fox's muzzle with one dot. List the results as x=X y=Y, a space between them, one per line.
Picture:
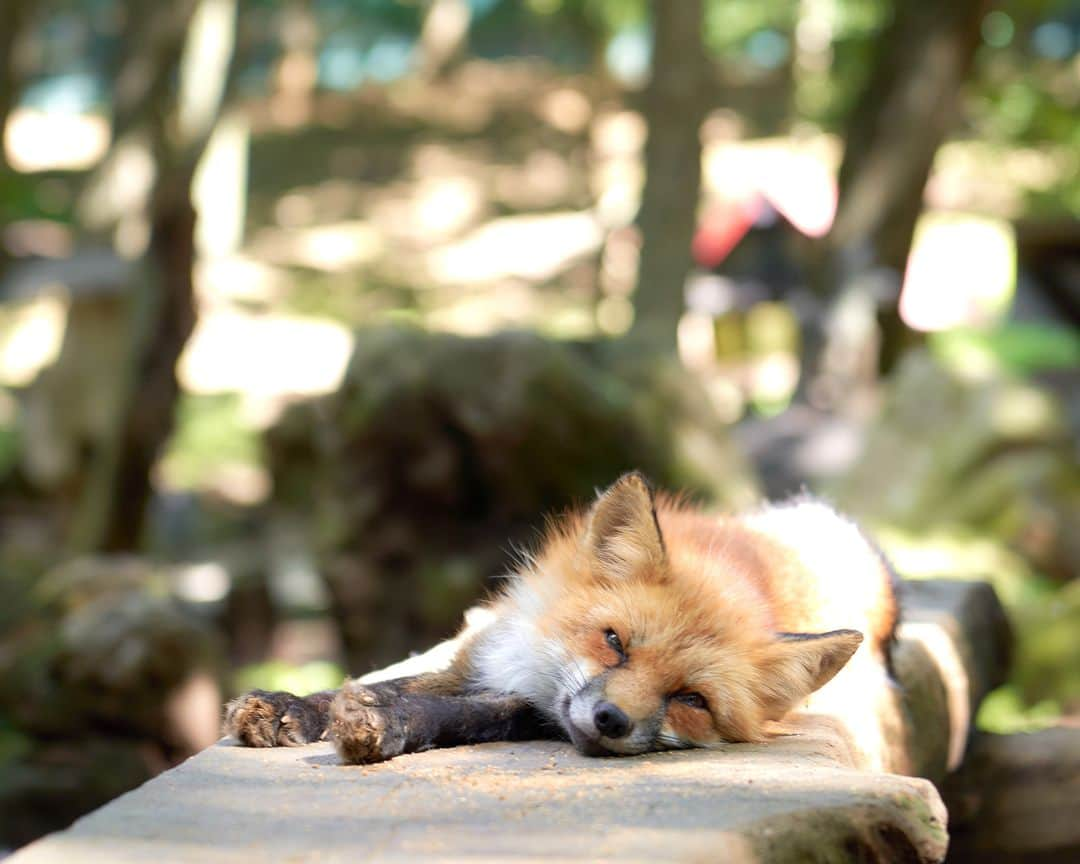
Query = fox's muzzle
x=599 y=727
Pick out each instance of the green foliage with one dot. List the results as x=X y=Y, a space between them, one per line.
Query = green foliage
x=1047 y=663
x=614 y=15
x=9 y=434
x=1013 y=349
x=278 y=675
x=403 y=18
x=210 y=432
x=1005 y=712
x=728 y=25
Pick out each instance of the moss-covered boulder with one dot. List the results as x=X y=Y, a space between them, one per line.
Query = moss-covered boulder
x=440 y=454
x=102 y=673
x=985 y=454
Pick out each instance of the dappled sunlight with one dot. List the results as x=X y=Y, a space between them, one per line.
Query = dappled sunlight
x=43 y=141
x=119 y=190
x=444 y=206
x=984 y=177
x=219 y=188
x=617 y=140
x=480 y=313
x=961 y=273
x=202 y=582
x=193 y=710
x=38 y=237
x=794 y=176
x=697 y=341
x=619 y=133
x=531 y=247
x=566 y=109
x=238 y=484
x=332 y=248
x=264 y=356
x=955 y=553
x=515 y=305
x=545 y=180
x=239 y=278
x=31 y=334
x=1022 y=411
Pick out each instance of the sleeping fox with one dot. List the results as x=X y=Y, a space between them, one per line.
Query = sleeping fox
x=640 y=624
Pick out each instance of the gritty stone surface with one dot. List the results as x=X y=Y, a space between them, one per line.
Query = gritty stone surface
x=795 y=798
x=500 y=801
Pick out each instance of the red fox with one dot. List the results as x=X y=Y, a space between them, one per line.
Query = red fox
x=640 y=624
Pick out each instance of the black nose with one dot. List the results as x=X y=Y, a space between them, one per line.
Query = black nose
x=610 y=720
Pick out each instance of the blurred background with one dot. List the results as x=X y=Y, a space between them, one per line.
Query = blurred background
x=311 y=309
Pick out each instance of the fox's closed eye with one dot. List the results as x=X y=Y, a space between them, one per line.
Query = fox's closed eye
x=693 y=700
x=615 y=643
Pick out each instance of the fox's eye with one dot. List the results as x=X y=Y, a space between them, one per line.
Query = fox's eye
x=694 y=700
x=614 y=642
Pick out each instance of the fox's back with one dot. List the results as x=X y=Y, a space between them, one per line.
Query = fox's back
x=809 y=567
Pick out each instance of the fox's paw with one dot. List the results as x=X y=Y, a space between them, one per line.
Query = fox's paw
x=363 y=728
x=262 y=719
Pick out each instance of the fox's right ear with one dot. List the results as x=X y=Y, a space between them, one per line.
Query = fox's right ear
x=623 y=536
x=796 y=664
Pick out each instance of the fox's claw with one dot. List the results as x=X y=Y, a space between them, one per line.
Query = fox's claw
x=262 y=719
x=363 y=730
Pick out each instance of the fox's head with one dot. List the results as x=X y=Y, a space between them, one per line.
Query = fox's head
x=655 y=651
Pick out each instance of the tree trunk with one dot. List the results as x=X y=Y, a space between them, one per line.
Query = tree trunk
x=14 y=16
x=169 y=321
x=113 y=508
x=674 y=106
x=909 y=105
x=443 y=37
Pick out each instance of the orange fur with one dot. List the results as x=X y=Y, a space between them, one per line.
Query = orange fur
x=700 y=604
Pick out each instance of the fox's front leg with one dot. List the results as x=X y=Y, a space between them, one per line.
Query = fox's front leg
x=372 y=723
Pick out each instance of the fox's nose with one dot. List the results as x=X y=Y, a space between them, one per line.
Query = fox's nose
x=610 y=721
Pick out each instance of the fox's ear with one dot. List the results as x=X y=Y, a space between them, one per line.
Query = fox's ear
x=797 y=664
x=623 y=536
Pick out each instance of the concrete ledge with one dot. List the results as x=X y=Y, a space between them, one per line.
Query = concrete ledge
x=796 y=798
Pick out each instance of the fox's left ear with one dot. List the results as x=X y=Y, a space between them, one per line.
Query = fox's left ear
x=623 y=535
x=797 y=664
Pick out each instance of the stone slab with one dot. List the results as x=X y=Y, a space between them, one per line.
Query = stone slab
x=501 y=801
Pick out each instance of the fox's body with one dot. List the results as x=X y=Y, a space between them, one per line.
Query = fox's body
x=638 y=625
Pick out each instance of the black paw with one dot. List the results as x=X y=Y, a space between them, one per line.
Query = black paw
x=364 y=727
x=262 y=719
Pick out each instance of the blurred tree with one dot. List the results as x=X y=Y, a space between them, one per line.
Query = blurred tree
x=297 y=72
x=14 y=16
x=186 y=71
x=909 y=104
x=443 y=36
x=674 y=106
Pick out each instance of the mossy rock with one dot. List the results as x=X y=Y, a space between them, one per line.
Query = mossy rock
x=988 y=454
x=97 y=651
x=102 y=646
